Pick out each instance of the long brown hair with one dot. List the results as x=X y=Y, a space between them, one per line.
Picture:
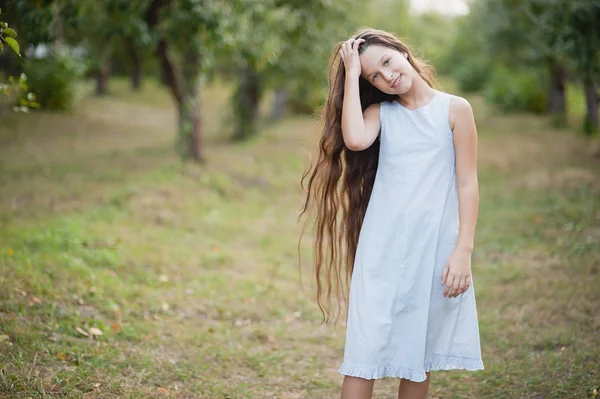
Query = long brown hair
x=341 y=181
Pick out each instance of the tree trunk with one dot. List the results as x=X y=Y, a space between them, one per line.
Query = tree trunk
x=136 y=66
x=184 y=84
x=556 y=101
x=591 y=102
x=102 y=76
x=279 y=102
x=190 y=121
x=168 y=76
x=58 y=27
x=169 y=73
x=248 y=98
x=189 y=139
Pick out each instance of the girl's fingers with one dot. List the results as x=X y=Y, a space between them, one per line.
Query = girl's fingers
x=449 y=282
x=462 y=286
x=454 y=288
x=357 y=43
x=347 y=47
x=445 y=274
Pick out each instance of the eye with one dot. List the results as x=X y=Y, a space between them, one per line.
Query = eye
x=375 y=76
x=386 y=62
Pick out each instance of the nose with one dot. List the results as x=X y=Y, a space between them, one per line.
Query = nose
x=390 y=76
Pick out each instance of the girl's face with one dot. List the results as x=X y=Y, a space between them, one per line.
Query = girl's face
x=387 y=69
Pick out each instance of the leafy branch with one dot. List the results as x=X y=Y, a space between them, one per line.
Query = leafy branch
x=8 y=36
x=27 y=99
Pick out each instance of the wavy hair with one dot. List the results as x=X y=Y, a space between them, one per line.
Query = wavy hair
x=338 y=186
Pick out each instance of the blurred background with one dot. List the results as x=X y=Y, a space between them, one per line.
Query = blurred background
x=151 y=153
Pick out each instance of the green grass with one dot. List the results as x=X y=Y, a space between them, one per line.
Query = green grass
x=191 y=271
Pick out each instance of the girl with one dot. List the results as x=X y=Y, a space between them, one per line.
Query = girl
x=398 y=163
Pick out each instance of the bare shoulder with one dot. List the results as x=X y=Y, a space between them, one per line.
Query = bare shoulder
x=461 y=112
x=372 y=109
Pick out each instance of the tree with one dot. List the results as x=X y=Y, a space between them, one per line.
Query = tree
x=298 y=73
x=184 y=30
x=282 y=45
x=102 y=25
x=528 y=33
x=581 y=36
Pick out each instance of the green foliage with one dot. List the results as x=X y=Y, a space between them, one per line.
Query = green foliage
x=55 y=79
x=306 y=99
x=101 y=25
x=397 y=18
x=277 y=44
x=514 y=90
x=472 y=76
x=19 y=86
x=521 y=36
x=8 y=35
x=306 y=40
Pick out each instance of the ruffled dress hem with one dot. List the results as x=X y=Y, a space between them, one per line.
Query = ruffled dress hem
x=440 y=362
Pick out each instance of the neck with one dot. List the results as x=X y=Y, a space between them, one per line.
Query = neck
x=419 y=93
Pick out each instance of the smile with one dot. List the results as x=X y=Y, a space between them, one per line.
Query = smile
x=397 y=81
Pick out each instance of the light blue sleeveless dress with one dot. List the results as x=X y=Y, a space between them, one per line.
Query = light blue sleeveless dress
x=399 y=324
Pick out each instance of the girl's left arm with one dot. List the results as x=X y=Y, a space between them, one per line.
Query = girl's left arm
x=457 y=273
x=465 y=146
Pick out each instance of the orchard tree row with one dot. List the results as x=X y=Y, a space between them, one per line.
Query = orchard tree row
x=258 y=45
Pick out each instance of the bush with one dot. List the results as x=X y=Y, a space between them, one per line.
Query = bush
x=306 y=99
x=55 y=80
x=517 y=90
x=472 y=75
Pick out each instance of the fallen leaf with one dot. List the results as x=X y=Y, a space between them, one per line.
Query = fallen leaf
x=163 y=278
x=97 y=385
x=35 y=300
x=165 y=307
x=162 y=390
x=80 y=301
x=95 y=331
x=271 y=339
x=55 y=337
x=4 y=337
x=82 y=331
x=61 y=356
x=116 y=327
x=11 y=252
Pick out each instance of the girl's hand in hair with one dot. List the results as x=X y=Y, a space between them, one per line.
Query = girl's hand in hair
x=349 y=53
x=457 y=274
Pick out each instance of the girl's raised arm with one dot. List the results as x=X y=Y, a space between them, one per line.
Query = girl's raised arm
x=359 y=129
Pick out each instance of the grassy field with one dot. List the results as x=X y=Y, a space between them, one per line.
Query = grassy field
x=190 y=272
